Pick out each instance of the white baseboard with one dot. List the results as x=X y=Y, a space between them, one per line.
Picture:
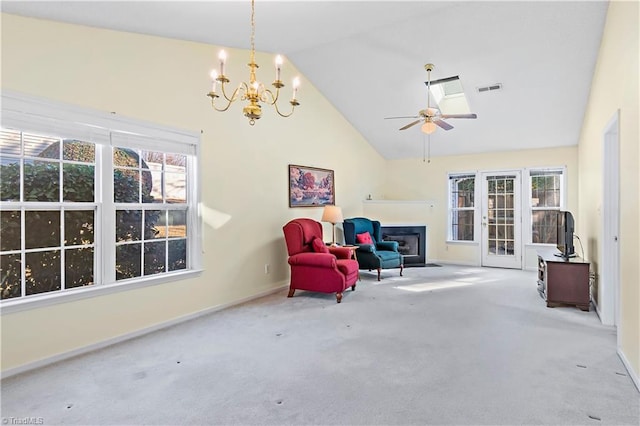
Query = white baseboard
x=114 y=340
x=448 y=262
x=633 y=374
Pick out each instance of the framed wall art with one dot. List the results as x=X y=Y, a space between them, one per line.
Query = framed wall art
x=311 y=187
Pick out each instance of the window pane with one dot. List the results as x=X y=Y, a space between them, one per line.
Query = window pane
x=9 y=179
x=128 y=261
x=42 y=229
x=176 y=187
x=41 y=181
x=79 y=151
x=41 y=146
x=155 y=225
x=153 y=162
x=544 y=227
x=463 y=225
x=156 y=194
x=78 y=183
x=154 y=257
x=125 y=157
x=177 y=223
x=78 y=267
x=179 y=162
x=126 y=186
x=10 y=143
x=128 y=225
x=10 y=269
x=177 y=255
x=42 y=272
x=78 y=227
x=10 y=230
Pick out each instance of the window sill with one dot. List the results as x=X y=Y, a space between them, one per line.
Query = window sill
x=468 y=243
x=66 y=296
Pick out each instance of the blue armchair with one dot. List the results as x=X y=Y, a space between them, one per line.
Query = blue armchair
x=378 y=254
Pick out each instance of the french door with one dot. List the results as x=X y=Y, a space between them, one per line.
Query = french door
x=501 y=223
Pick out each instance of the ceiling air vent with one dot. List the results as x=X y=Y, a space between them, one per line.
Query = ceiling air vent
x=497 y=86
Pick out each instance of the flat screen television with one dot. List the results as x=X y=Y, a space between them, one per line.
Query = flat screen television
x=564 y=240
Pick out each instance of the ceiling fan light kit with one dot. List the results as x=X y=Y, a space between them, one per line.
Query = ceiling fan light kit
x=255 y=92
x=432 y=118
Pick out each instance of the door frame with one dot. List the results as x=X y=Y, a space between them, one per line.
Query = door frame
x=609 y=289
x=518 y=245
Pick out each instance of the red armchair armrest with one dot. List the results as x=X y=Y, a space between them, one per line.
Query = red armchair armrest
x=325 y=260
x=340 y=252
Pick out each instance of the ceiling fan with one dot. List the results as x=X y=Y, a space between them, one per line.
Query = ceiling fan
x=432 y=117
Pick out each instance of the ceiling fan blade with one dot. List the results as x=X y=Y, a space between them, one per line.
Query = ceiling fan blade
x=459 y=115
x=410 y=124
x=404 y=116
x=442 y=124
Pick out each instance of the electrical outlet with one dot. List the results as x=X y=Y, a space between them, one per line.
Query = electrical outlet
x=266 y=268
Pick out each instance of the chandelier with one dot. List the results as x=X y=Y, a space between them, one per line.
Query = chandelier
x=254 y=92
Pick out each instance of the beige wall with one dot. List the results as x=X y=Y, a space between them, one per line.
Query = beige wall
x=244 y=169
x=615 y=87
x=417 y=180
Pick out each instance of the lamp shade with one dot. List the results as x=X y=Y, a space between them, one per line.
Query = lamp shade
x=428 y=127
x=332 y=214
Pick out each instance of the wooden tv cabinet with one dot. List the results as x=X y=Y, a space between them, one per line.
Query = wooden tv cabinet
x=563 y=281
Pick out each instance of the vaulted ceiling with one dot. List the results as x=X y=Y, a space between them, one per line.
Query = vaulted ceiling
x=368 y=57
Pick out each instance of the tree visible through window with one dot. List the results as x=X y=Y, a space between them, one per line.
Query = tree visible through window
x=462 y=209
x=546 y=197
x=48 y=228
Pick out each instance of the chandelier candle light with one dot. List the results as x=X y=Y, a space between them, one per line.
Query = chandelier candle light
x=254 y=92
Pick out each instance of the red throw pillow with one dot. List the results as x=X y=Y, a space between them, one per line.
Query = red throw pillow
x=319 y=246
x=364 y=238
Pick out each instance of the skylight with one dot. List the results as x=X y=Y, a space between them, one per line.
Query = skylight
x=448 y=94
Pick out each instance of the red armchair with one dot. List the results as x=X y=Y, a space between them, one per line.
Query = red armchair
x=314 y=266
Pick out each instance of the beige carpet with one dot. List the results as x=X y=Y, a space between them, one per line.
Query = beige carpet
x=448 y=345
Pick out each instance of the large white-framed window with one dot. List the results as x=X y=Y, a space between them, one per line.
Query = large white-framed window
x=89 y=199
x=462 y=209
x=546 y=198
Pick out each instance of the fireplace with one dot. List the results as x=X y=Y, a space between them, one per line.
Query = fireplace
x=412 y=242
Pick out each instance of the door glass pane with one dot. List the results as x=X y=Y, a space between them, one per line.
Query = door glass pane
x=500 y=215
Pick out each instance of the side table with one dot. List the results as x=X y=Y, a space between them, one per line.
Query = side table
x=353 y=250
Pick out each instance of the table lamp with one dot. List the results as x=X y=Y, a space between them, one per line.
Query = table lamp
x=333 y=215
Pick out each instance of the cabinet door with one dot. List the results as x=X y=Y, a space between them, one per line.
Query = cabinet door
x=568 y=282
